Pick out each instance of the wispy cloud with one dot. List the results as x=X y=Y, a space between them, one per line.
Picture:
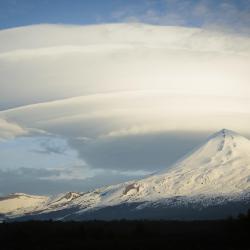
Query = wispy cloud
x=232 y=16
x=9 y=130
x=51 y=145
x=47 y=181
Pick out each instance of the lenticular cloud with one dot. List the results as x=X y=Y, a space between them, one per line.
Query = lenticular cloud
x=103 y=86
x=49 y=62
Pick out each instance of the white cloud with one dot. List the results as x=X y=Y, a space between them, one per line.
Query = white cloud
x=224 y=15
x=102 y=128
x=69 y=173
x=82 y=60
x=135 y=112
x=10 y=130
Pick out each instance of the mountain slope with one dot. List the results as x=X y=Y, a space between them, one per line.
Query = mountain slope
x=217 y=173
x=219 y=166
x=21 y=203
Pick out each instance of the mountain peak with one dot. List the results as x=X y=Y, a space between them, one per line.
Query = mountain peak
x=220 y=165
x=228 y=140
x=225 y=133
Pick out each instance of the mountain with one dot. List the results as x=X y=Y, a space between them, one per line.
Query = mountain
x=213 y=181
x=18 y=203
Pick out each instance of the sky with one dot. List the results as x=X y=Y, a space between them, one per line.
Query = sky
x=233 y=14
x=95 y=93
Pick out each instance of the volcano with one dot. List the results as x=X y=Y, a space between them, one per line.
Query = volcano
x=211 y=182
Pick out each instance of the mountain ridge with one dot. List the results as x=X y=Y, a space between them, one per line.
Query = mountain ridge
x=216 y=173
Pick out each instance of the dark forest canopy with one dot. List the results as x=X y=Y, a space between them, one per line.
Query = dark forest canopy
x=218 y=234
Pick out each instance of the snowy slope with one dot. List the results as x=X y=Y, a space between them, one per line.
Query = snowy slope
x=21 y=203
x=217 y=170
x=221 y=166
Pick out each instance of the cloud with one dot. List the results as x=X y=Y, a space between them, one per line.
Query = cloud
x=129 y=113
x=149 y=152
x=10 y=130
x=52 y=146
x=69 y=173
x=144 y=130
x=230 y=16
x=77 y=172
x=82 y=60
x=39 y=181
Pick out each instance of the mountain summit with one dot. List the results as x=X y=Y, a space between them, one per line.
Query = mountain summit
x=219 y=166
x=215 y=175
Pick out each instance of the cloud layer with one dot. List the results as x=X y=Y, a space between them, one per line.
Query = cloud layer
x=48 y=62
x=29 y=180
x=230 y=15
x=144 y=130
x=10 y=130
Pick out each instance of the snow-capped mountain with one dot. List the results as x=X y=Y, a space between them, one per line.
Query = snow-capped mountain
x=212 y=181
x=19 y=203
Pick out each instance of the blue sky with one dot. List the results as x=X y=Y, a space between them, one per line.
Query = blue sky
x=233 y=14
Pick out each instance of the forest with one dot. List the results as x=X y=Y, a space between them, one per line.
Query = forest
x=231 y=233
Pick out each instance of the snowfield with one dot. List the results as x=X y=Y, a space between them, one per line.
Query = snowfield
x=21 y=203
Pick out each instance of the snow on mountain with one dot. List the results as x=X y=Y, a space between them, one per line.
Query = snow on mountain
x=217 y=170
x=221 y=166
x=17 y=203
